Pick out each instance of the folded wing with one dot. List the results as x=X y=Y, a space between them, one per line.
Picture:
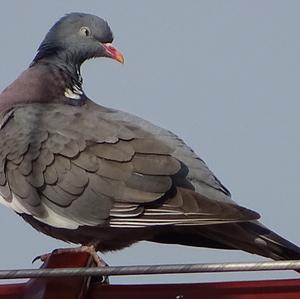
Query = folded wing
x=70 y=166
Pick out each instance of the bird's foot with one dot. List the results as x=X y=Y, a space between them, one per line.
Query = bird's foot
x=90 y=249
x=99 y=262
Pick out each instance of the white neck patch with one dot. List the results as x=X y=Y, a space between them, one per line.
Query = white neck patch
x=75 y=93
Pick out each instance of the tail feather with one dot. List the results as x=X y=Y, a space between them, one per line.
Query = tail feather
x=277 y=247
x=250 y=236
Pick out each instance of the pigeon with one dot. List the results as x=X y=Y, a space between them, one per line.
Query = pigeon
x=102 y=178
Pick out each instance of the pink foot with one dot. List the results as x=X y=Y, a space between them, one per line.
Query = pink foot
x=89 y=249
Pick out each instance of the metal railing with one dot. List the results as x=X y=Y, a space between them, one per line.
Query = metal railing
x=152 y=269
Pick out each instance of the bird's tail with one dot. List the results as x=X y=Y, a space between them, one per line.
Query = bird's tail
x=278 y=247
x=250 y=236
x=256 y=238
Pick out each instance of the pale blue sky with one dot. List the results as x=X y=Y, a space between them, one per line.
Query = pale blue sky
x=224 y=75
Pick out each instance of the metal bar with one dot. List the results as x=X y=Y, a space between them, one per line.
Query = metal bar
x=152 y=269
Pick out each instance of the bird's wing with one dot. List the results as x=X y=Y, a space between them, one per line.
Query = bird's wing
x=69 y=166
x=199 y=175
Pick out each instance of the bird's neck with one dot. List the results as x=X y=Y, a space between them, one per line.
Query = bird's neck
x=44 y=82
x=69 y=64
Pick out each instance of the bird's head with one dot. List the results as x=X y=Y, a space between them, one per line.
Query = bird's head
x=77 y=37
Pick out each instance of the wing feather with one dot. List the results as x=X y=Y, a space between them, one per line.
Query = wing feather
x=96 y=169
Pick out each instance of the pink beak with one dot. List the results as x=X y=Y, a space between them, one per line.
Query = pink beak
x=113 y=52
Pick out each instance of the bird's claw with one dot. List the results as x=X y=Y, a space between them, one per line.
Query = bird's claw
x=42 y=257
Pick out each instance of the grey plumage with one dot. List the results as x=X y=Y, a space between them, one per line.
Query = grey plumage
x=88 y=174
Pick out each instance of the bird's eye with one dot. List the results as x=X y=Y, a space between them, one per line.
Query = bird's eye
x=85 y=31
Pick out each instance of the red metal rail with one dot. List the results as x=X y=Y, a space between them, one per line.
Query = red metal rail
x=87 y=288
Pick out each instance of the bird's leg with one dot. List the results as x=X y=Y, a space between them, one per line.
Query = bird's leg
x=92 y=251
x=85 y=248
